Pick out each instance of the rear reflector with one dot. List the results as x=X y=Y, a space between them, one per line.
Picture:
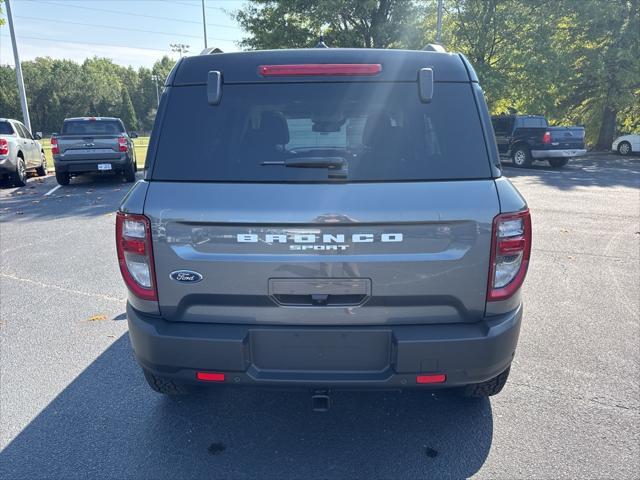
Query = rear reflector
x=437 y=378
x=210 y=376
x=351 y=69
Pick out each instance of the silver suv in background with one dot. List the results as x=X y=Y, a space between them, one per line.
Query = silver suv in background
x=93 y=145
x=20 y=153
x=337 y=218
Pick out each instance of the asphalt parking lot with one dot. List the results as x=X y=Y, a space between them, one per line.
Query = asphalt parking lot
x=73 y=403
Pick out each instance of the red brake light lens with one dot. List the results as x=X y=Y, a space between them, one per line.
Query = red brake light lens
x=320 y=69
x=4 y=146
x=135 y=255
x=510 y=253
x=54 y=146
x=122 y=144
x=546 y=138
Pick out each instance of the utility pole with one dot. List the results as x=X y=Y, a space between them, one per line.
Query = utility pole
x=16 y=60
x=155 y=78
x=439 y=23
x=204 y=24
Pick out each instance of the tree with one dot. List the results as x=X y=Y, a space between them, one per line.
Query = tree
x=1 y=19
x=343 y=23
x=127 y=113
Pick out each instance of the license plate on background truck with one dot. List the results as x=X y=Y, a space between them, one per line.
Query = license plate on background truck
x=104 y=166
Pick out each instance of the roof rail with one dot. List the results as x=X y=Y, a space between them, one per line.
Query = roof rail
x=210 y=50
x=435 y=47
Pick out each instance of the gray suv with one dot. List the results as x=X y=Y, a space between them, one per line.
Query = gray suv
x=324 y=218
x=20 y=153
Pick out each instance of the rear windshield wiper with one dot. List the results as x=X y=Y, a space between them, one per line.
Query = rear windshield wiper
x=310 y=162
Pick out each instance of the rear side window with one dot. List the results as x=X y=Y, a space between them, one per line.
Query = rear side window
x=535 y=122
x=6 y=128
x=381 y=132
x=92 y=127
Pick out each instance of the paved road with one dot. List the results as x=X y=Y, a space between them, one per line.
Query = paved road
x=73 y=404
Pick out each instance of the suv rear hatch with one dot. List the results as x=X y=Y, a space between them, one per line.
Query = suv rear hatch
x=94 y=138
x=325 y=202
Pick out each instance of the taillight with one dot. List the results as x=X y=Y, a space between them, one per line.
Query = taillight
x=510 y=252
x=122 y=144
x=313 y=69
x=135 y=254
x=546 y=138
x=4 y=146
x=54 y=146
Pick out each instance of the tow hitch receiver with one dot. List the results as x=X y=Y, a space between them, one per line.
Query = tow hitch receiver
x=320 y=401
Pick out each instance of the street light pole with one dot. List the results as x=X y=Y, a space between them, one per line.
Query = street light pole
x=155 y=78
x=439 y=23
x=16 y=59
x=204 y=24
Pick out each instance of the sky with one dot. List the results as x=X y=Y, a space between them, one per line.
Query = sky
x=130 y=32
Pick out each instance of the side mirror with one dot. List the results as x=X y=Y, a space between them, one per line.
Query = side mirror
x=38 y=136
x=133 y=135
x=425 y=84
x=214 y=87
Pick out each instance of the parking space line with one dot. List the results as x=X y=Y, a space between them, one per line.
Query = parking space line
x=52 y=190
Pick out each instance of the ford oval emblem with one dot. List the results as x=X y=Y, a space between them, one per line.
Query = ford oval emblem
x=186 y=276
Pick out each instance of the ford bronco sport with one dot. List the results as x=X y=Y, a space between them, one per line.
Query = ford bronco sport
x=324 y=218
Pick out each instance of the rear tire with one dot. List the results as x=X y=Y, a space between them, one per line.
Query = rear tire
x=62 y=178
x=624 y=148
x=521 y=157
x=488 y=388
x=130 y=173
x=42 y=169
x=20 y=176
x=163 y=385
x=558 y=162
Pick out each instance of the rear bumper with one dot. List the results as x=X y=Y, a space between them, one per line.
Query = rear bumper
x=6 y=165
x=568 y=153
x=81 y=165
x=347 y=357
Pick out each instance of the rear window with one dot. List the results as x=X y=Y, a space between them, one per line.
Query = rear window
x=535 y=122
x=375 y=131
x=92 y=127
x=6 y=128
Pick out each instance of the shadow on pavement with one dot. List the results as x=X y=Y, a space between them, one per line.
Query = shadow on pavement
x=108 y=424
x=85 y=196
x=595 y=170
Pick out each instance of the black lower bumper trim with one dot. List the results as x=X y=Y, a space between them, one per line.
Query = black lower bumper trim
x=349 y=356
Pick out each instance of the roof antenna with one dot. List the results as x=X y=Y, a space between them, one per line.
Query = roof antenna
x=321 y=43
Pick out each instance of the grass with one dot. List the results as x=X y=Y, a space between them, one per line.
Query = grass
x=140 y=144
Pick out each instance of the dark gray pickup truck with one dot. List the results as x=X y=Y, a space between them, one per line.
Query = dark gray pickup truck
x=326 y=226
x=529 y=138
x=93 y=144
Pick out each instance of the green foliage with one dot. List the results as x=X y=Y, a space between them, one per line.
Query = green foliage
x=57 y=89
x=1 y=19
x=344 y=23
x=127 y=113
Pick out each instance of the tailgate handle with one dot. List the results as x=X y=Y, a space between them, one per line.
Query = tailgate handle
x=320 y=292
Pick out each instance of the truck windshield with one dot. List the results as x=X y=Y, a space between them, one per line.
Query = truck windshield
x=381 y=130
x=92 y=127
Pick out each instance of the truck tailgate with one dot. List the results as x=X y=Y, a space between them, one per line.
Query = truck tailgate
x=322 y=254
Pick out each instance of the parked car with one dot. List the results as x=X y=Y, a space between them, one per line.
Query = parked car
x=20 y=153
x=93 y=144
x=529 y=138
x=337 y=218
x=627 y=144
